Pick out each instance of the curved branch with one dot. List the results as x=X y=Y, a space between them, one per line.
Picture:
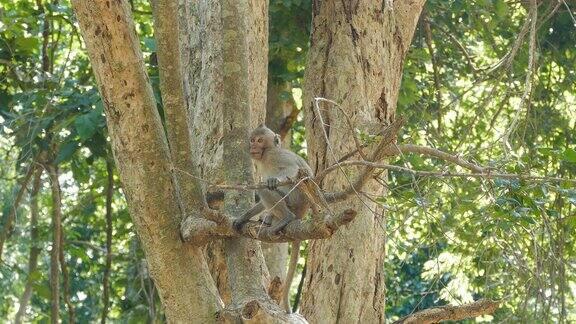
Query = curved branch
x=451 y=313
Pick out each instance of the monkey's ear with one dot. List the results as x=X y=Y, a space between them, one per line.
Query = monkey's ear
x=276 y=140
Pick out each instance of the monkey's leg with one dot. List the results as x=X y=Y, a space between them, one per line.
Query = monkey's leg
x=277 y=204
x=240 y=221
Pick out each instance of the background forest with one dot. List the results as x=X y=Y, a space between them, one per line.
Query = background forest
x=480 y=80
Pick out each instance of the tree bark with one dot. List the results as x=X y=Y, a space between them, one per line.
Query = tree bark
x=277 y=111
x=202 y=61
x=243 y=256
x=356 y=58
x=167 y=31
x=34 y=249
x=65 y=278
x=56 y=244
x=142 y=156
x=246 y=267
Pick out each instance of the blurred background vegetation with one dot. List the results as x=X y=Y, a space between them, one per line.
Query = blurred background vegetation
x=472 y=85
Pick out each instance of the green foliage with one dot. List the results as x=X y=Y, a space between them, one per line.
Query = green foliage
x=505 y=239
x=56 y=108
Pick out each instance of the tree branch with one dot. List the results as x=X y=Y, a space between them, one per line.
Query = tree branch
x=9 y=220
x=166 y=29
x=424 y=150
x=197 y=230
x=451 y=313
x=388 y=137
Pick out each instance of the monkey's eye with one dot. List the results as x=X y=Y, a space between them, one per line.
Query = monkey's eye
x=260 y=140
x=251 y=140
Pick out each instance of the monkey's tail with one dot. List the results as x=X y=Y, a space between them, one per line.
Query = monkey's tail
x=290 y=276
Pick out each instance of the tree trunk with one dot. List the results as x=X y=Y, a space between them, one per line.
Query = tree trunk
x=356 y=58
x=34 y=249
x=56 y=244
x=276 y=254
x=65 y=278
x=202 y=60
x=108 y=265
x=142 y=156
x=243 y=256
x=167 y=31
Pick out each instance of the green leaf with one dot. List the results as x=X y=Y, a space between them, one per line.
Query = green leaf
x=66 y=151
x=150 y=44
x=569 y=155
x=501 y=9
x=88 y=124
x=42 y=291
x=85 y=126
x=27 y=44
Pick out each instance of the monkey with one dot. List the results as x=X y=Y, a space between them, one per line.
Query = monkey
x=285 y=203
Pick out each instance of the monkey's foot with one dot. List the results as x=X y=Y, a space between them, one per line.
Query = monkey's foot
x=237 y=225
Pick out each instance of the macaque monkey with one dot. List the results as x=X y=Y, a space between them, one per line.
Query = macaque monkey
x=285 y=203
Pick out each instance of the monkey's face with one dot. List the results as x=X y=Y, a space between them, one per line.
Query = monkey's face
x=258 y=145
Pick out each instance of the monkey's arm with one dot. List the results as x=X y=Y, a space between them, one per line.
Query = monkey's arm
x=240 y=221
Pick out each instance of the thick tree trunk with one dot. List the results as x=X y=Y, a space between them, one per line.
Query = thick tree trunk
x=201 y=52
x=243 y=256
x=356 y=58
x=202 y=57
x=142 y=156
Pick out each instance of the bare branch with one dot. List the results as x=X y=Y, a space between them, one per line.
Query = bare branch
x=430 y=44
x=409 y=148
x=487 y=175
x=451 y=313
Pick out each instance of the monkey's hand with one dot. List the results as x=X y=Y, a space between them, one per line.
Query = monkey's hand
x=272 y=183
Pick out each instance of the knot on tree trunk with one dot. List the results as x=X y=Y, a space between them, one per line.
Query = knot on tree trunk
x=257 y=311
